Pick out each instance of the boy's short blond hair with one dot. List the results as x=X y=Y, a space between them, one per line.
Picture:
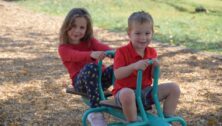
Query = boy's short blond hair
x=140 y=17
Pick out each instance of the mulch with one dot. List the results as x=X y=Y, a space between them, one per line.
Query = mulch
x=32 y=76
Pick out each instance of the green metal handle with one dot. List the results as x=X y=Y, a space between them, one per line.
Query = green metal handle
x=139 y=80
x=154 y=92
x=138 y=93
x=101 y=93
x=110 y=52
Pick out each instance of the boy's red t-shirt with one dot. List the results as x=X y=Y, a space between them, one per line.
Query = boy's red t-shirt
x=75 y=56
x=126 y=55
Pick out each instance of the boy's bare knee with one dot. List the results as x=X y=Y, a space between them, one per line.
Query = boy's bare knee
x=127 y=96
x=175 y=89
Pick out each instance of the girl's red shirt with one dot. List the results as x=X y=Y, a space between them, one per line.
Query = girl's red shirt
x=76 y=56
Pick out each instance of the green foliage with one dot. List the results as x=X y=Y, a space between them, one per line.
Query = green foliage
x=176 y=21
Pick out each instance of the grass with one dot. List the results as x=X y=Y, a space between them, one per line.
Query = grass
x=176 y=22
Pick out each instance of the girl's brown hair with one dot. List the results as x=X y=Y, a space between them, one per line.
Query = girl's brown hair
x=69 y=22
x=140 y=17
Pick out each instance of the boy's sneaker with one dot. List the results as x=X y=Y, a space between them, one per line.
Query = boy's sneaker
x=96 y=119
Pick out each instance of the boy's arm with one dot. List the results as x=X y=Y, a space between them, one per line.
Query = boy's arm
x=125 y=71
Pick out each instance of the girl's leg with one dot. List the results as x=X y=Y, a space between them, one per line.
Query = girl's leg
x=128 y=101
x=87 y=82
x=170 y=93
x=107 y=76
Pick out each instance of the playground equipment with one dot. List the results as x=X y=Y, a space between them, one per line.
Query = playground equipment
x=147 y=119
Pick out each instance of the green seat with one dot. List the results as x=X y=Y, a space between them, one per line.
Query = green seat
x=71 y=90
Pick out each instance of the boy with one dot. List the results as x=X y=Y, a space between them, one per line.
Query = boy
x=134 y=56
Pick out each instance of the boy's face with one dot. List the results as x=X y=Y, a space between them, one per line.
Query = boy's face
x=140 y=35
x=78 y=30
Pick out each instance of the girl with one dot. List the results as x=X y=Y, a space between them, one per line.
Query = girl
x=79 y=52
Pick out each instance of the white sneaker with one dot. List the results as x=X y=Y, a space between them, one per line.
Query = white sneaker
x=96 y=119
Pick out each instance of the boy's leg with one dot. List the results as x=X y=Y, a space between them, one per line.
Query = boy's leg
x=126 y=97
x=147 y=97
x=170 y=93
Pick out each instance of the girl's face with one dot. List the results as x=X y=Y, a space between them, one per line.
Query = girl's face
x=78 y=30
x=140 y=35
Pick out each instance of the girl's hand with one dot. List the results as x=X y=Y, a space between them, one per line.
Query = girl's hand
x=155 y=62
x=111 y=56
x=99 y=55
x=142 y=65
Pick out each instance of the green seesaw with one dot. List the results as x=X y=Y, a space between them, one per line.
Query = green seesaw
x=109 y=106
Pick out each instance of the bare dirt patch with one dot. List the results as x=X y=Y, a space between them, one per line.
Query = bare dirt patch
x=32 y=75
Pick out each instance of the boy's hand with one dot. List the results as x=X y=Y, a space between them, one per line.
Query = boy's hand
x=140 y=65
x=99 y=55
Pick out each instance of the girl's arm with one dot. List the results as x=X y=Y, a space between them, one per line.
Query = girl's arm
x=99 y=55
x=99 y=46
x=68 y=54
